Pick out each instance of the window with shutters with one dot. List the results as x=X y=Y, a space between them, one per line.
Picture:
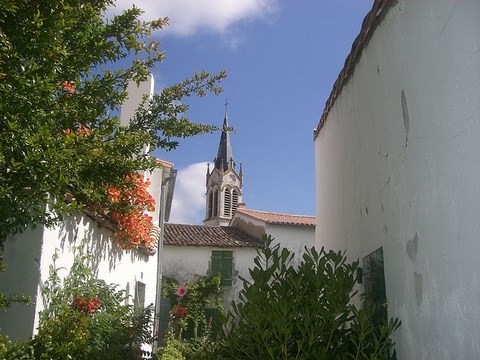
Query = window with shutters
x=222 y=263
x=234 y=201
x=215 y=203
x=373 y=279
x=139 y=300
x=227 y=206
x=210 y=205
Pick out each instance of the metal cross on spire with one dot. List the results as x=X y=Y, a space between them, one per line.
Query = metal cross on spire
x=226 y=107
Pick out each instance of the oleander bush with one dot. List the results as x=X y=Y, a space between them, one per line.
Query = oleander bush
x=303 y=312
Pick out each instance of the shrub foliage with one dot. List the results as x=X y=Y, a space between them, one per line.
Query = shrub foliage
x=85 y=318
x=303 y=312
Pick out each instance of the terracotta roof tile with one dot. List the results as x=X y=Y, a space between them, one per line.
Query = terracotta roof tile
x=200 y=235
x=277 y=218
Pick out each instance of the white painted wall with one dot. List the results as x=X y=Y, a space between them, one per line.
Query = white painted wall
x=419 y=182
x=184 y=262
x=135 y=97
x=29 y=257
x=293 y=238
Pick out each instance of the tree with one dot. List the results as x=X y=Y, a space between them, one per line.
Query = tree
x=64 y=69
x=304 y=312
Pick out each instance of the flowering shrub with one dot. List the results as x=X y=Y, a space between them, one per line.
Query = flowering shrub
x=85 y=318
x=87 y=306
x=126 y=206
x=193 y=318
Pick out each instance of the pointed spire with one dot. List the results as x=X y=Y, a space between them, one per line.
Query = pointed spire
x=224 y=156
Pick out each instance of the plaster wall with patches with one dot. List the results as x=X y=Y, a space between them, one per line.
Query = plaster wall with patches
x=398 y=167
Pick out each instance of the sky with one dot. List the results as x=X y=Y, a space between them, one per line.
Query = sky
x=282 y=58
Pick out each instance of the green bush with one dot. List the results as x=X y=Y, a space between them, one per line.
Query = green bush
x=195 y=317
x=201 y=301
x=20 y=350
x=302 y=312
x=87 y=319
x=172 y=350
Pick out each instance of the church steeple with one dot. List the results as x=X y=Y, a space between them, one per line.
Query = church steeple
x=224 y=185
x=224 y=156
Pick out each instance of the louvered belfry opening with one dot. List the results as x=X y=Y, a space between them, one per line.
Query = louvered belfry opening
x=215 y=203
x=234 y=201
x=227 y=203
x=210 y=205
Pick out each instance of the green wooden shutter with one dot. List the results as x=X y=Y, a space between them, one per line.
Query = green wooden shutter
x=222 y=263
x=163 y=318
x=374 y=284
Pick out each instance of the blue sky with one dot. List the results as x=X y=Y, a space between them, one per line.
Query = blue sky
x=282 y=58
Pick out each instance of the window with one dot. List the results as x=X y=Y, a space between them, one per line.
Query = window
x=210 y=205
x=222 y=263
x=139 y=300
x=215 y=203
x=127 y=293
x=234 y=201
x=227 y=206
x=373 y=278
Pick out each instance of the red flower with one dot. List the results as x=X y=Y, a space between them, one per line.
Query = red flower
x=179 y=311
x=89 y=306
x=127 y=205
x=83 y=130
x=113 y=195
x=69 y=86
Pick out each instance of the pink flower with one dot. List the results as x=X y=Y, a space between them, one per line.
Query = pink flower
x=181 y=291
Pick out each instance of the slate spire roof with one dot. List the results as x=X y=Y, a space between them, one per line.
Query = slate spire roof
x=224 y=156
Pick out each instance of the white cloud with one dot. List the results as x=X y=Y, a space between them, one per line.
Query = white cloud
x=189 y=16
x=188 y=206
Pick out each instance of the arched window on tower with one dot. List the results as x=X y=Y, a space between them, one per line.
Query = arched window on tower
x=227 y=205
x=210 y=205
x=234 y=201
x=215 y=203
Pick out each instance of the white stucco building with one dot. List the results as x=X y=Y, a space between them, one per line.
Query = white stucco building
x=29 y=255
x=193 y=250
x=398 y=171
x=293 y=232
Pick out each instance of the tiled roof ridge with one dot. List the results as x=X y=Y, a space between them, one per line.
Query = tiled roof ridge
x=209 y=236
x=279 y=218
x=275 y=213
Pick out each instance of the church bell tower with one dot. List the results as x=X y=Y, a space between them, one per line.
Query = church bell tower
x=224 y=184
